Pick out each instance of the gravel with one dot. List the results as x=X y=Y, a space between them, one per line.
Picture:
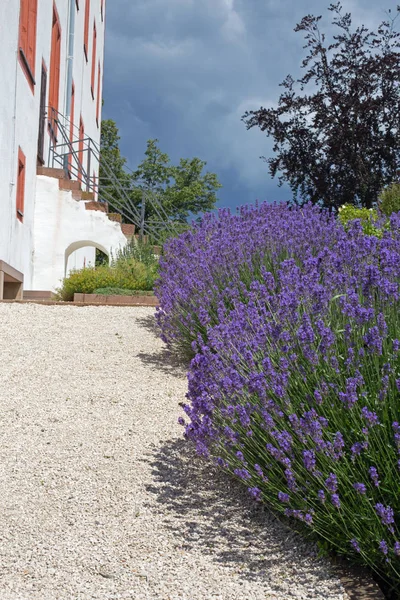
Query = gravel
x=101 y=498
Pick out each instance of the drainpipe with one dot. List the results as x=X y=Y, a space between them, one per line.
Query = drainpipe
x=70 y=64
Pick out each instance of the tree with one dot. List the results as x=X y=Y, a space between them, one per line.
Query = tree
x=337 y=137
x=112 y=163
x=181 y=190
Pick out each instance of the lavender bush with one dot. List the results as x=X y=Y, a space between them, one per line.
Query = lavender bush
x=295 y=383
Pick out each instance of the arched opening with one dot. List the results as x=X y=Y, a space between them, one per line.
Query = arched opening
x=84 y=254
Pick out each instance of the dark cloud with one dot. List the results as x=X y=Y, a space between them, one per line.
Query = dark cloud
x=184 y=71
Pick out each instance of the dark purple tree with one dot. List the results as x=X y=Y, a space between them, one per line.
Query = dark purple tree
x=336 y=130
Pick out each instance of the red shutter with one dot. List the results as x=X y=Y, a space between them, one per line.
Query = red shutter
x=27 y=39
x=23 y=24
x=94 y=50
x=31 y=47
x=54 y=87
x=86 y=30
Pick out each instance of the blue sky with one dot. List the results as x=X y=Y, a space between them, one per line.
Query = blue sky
x=185 y=71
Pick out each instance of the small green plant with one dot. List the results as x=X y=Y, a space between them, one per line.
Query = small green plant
x=111 y=291
x=389 y=200
x=367 y=216
x=137 y=251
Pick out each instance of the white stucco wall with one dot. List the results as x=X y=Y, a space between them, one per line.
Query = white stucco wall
x=66 y=226
x=20 y=108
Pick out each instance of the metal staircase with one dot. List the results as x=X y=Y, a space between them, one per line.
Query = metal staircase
x=80 y=158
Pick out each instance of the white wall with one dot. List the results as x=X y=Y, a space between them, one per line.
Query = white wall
x=19 y=113
x=66 y=226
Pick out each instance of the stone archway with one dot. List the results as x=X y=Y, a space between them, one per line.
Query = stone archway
x=83 y=244
x=63 y=225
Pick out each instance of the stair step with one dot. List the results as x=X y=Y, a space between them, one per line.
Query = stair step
x=87 y=195
x=91 y=205
x=70 y=184
x=49 y=172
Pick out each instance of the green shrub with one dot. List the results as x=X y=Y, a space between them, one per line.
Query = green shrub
x=111 y=291
x=128 y=274
x=368 y=218
x=389 y=200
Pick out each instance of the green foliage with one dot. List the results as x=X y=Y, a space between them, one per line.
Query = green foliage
x=368 y=218
x=389 y=200
x=138 y=251
x=182 y=189
x=128 y=274
x=111 y=161
x=111 y=291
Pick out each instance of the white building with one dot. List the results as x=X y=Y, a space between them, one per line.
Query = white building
x=51 y=72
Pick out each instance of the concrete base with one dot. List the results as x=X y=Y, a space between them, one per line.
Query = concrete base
x=11 y=282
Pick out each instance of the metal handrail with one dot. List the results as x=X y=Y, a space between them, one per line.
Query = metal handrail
x=108 y=189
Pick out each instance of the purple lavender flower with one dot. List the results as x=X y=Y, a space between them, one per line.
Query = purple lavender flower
x=360 y=488
x=373 y=473
x=386 y=515
x=397 y=548
x=335 y=500
x=308 y=518
x=291 y=480
x=357 y=448
x=255 y=493
x=242 y=474
x=355 y=545
x=331 y=483
x=383 y=547
x=309 y=460
x=282 y=497
x=370 y=417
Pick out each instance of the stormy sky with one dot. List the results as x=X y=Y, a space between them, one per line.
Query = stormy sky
x=185 y=71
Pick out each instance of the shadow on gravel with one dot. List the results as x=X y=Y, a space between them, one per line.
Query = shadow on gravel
x=164 y=361
x=206 y=508
x=149 y=323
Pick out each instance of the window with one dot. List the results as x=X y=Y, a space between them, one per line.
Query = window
x=27 y=39
x=54 y=87
x=86 y=30
x=98 y=94
x=94 y=49
x=21 y=185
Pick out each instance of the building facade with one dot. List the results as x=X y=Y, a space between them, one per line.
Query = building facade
x=51 y=72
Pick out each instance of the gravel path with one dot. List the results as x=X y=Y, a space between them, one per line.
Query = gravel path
x=101 y=499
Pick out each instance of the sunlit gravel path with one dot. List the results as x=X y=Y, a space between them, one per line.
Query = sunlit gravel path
x=100 y=496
